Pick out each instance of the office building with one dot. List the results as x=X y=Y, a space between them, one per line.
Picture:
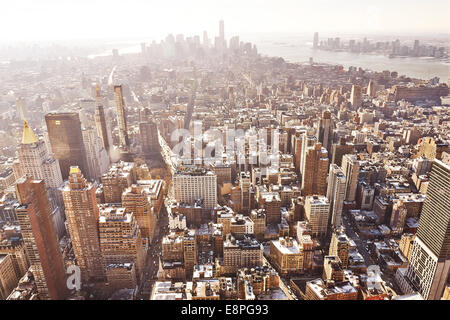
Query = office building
x=82 y=220
x=40 y=239
x=66 y=140
x=314 y=178
x=124 y=142
x=429 y=266
x=356 y=96
x=120 y=238
x=35 y=161
x=287 y=255
x=100 y=121
x=135 y=200
x=336 y=194
x=317 y=210
x=120 y=176
x=191 y=184
x=350 y=168
x=325 y=129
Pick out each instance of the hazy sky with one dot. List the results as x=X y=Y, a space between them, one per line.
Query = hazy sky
x=89 y=19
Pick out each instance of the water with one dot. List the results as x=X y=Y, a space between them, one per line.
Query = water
x=295 y=48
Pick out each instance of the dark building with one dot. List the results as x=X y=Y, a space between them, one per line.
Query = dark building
x=325 y=130
x=338 y=151
x=40 y=238
x=149 y=137
x=66 y=140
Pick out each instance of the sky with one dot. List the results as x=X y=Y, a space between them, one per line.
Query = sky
x=43 y=20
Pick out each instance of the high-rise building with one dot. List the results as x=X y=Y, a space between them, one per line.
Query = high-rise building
x=356 y=96
x=244 y=184
x=136 y=200
x=338 y=150
x=314 y=178
x=66 y=140
x=82 y=220
x=316 y=40
x=8 y=277
x=317 y=210
x=100 y=121
x=429 y=266
x=120 y=238
x=336 y=194
x=325 y=130
x=120 y=176
x=398 y=218
x=271 y=203
x=149 y=138
x=192 y=184
x=189 y=252
x=340 y=245
x=40 y=239
x=35 y=161
x=350 y=168
x=121 y=119
x=371 y=89
x=96 y=155
x=308 y=141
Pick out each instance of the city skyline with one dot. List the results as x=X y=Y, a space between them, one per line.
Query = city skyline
x=208 y=166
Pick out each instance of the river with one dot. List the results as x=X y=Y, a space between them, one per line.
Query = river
x=299 y=49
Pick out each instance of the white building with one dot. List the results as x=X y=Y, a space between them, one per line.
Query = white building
x=317 y=210
x=96 y=154
x=194 y=183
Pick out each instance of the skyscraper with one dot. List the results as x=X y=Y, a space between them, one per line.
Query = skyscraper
x=36 y=162
x=316 y=40
x=100 y=121
x=336 y=194
x=82 y=219
x=96 y=155
x=40 y=239
x=149 y=137
x=325 y=130
x=350 y=168
x=121 y=118
x=356 y=96
x=429 y=267
x=136 y=200
x=314 y=179
x=66 y=140
x=371 y=89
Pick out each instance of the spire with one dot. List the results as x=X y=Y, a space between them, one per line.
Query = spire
x=28 y=136
x=98 y=96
